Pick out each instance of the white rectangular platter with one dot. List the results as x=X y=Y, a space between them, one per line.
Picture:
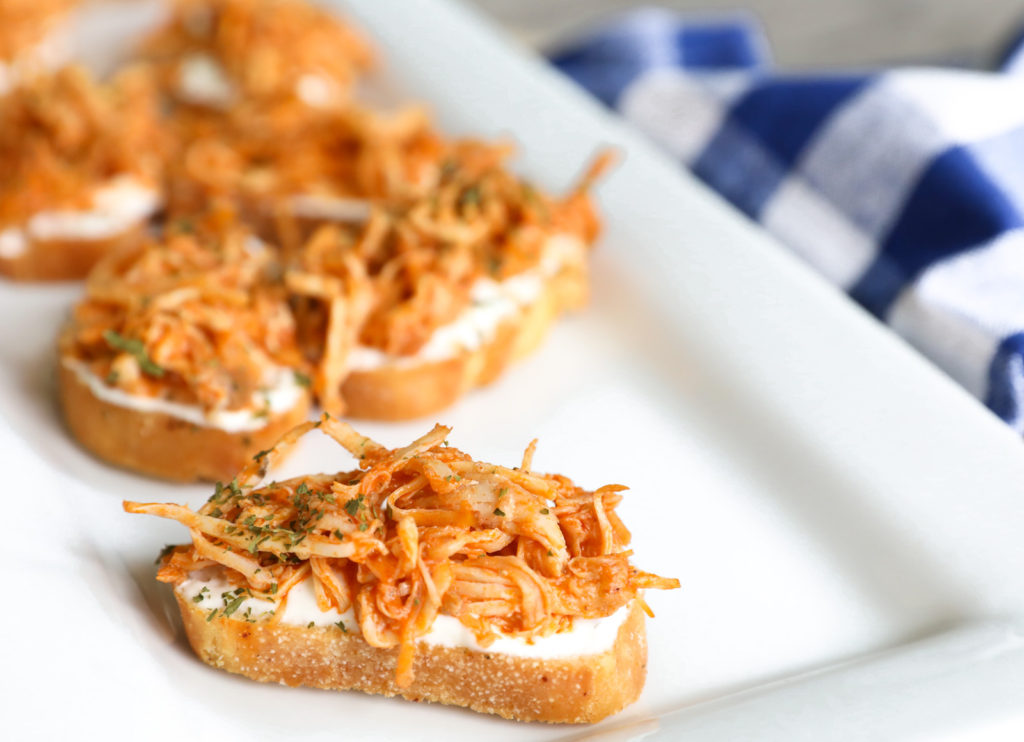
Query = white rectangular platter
x=846 y=523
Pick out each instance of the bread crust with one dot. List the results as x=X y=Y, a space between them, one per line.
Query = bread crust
x=402 y=392
x=573 y=690
x=160 y=445
x=65 y=260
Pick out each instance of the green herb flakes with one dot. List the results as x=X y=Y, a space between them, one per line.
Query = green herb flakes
x=134 y=348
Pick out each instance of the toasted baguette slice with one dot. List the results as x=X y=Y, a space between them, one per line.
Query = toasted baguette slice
x=64 y=260
x=402 y=392
x=573 y=690
x=161 y=445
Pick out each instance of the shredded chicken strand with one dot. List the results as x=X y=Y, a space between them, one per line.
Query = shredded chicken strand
x=415 y=532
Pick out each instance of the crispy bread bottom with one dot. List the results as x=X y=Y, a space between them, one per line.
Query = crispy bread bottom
x=64 y=260
x=574 y=690
x=161 y=445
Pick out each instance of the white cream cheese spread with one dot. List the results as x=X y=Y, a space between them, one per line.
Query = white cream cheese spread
x=13 y=243
x=282 y=393
x=203 y=80
x=317 y=91
x=209 y=590
x=117 y=206
x=330 y=208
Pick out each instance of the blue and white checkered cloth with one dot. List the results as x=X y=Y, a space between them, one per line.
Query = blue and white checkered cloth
x=904 y=187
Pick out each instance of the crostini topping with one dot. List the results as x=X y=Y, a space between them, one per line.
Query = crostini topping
x=257 y=49
x=189 y=320
x=66 y=141
x=417 y=279
x=415 y=533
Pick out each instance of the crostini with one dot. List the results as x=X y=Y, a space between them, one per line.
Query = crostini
x=440 y=296
x=217 y=53
x=82 y=167
x=423 y=574
x=181 y=361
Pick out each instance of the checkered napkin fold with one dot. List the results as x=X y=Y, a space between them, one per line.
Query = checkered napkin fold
x=905 y=187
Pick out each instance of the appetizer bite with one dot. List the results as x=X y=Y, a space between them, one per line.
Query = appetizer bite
x=81 y=171
x=181 y=360
x=217 y=53
x=423 y=574
x=287 y=170
x=439 y=296
x=31 y=39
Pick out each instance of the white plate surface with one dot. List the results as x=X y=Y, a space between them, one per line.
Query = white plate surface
x=847 y=524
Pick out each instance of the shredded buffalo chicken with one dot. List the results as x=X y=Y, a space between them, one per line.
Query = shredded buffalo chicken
x=197 y=320
x=62 y=135
x=416 y=532
x=265 y=49
x=259 y=156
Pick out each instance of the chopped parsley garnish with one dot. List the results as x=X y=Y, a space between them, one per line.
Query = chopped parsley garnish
x=352 y=506
x=302 y=489
x=302 y=379
x=134 y=348
x=254 y=545
x=259 y=456
x=234 y=604
x=500 y=513
x=341 y=625
x=470 y=196
x=544 y=511
x=265 y=410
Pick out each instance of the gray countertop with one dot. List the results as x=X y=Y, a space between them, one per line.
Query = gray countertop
x=812 y=32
